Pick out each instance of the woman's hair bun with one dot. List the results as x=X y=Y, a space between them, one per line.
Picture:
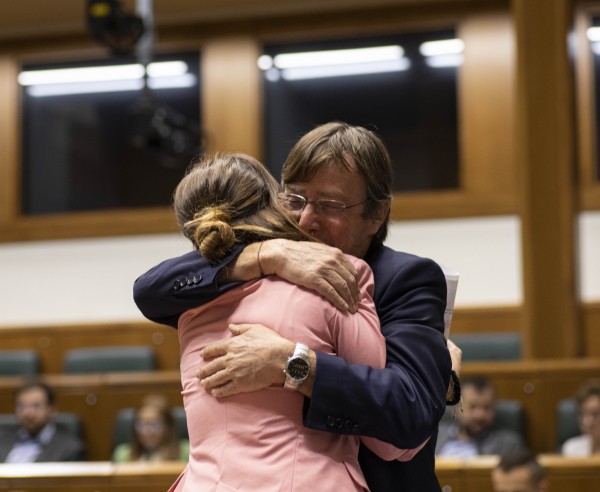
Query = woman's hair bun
x=212 y=232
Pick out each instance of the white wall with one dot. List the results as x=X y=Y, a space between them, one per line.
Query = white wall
x=91 y=280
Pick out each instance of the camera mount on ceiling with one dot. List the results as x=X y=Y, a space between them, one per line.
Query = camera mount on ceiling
x=111 y=26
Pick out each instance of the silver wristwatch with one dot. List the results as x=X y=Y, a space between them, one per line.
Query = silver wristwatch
x=297 y=368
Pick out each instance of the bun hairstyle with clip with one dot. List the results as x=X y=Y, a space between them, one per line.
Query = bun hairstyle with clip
x=227 y=199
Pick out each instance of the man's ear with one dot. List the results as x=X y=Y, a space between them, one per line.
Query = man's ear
x=383 y=210
x=381 y=215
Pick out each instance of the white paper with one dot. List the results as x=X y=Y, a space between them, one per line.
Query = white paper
x=452 y=277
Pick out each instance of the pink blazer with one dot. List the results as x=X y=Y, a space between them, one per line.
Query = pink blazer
x=256 y=441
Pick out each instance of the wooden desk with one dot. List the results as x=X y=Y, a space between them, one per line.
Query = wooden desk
x=563 y=474
x=89 y=477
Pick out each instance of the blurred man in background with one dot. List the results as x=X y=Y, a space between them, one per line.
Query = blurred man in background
x=519 y=471
x=37 y=438
x=473 y=432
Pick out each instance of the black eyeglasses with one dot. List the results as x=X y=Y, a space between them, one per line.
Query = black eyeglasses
x=329 y=208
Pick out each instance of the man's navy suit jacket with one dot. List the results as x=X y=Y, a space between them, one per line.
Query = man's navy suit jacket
x=401 y=404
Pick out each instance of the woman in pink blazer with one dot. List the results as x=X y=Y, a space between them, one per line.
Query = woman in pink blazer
x=257 y=441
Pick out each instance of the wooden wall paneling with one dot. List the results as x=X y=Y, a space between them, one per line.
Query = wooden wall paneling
x=231 y=98
x=51 y=342
x=589 y=187
x=487 y=319
x=591 y=326
x=8 y=141
x=487 y=130
x=545 y=130
x=162 y=339
x=43 y=340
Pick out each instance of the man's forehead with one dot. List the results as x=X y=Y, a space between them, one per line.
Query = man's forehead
x=32 y=393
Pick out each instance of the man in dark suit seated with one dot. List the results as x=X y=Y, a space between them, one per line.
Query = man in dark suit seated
x=473 y=432
x=37 y=438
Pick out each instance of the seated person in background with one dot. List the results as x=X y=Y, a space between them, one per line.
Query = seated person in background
x=473 y=432
x=154 y=435
x=37 y=438
x=588 y=405
x=519 y=471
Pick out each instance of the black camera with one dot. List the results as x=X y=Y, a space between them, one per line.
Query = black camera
x=111 y=26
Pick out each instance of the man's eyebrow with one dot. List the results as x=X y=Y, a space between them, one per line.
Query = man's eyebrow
x=331 y=195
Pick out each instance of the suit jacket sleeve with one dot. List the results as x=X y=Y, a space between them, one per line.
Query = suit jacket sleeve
x=172 y=287
x=402 y=403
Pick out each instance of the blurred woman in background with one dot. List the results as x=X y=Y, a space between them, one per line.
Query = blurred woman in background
x=154 y=435
x=588 y=405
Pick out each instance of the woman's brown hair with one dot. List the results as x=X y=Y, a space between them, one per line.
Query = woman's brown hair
x=228 y=199
x=169 y=446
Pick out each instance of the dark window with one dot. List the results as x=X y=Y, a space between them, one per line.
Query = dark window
x=108 y=150
x=596 y=53
x=413 y=110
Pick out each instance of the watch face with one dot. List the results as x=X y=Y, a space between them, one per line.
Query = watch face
x=298 y=368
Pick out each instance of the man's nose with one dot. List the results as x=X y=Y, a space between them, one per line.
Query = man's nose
x=309 y=218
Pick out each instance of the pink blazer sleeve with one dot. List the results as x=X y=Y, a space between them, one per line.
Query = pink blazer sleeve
x=359 y=340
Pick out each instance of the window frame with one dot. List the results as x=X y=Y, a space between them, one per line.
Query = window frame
x=233 y=120
x=589 y=185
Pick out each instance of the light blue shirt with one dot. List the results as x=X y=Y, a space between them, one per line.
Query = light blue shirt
x=27 y=448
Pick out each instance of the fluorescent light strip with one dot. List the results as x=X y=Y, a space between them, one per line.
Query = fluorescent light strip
x=101 y=74
x=335 y=57
x=441 y=61
x=44 y=90
x=442 y=47
x=185 y=80
x=179 y=81
x=167 y=69
x=345 y=70
x=593 y=33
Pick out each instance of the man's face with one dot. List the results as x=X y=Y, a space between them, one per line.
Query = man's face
x=516 y=480
x=478 y=411
x=351 y=232
x=33 y=410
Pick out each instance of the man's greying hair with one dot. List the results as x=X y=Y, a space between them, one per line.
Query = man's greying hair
x=522 y=458
x=333 y=143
